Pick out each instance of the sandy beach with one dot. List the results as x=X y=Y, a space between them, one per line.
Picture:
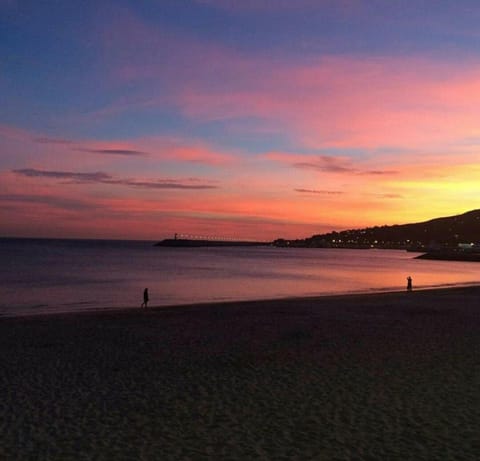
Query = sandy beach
x=392 y=376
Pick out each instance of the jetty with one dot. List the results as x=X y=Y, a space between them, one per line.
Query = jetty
x=451 y=255
x=194 y=242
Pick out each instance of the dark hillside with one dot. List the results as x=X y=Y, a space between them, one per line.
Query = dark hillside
x=444 y=232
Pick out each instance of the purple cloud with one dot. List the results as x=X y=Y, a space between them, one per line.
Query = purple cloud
x=104 y=178
x=33 y=173
x=125 y=152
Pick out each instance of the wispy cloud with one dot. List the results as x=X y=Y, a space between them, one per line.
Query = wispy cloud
x=126 y=152
x=161 y=147
x=159 y=184
x=55 y=201
x=379 y=172
x=14 y=133
x=390 y=195
x=324 y=163
x=45 y=140
x=33 y=173
x=104 y=178
x=319 y=192
x=22 y=145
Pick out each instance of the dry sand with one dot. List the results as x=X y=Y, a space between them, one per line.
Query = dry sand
x=387 y=376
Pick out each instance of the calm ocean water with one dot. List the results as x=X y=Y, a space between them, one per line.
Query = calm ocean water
x=41 y=276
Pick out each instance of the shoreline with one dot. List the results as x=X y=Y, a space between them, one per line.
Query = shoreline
x=335 y=297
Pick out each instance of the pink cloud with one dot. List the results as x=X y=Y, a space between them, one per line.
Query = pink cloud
x=351 y=102
x=166 y=148
x=200 y=154
x=37 y=150
x=14 y=133
x=335 y=101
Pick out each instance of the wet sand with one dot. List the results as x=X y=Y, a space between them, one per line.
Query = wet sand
x=392 y=376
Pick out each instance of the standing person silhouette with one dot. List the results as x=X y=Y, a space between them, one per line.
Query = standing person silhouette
x=409 y=283
x=145 y=298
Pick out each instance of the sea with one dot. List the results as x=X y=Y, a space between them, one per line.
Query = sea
x=41 y=276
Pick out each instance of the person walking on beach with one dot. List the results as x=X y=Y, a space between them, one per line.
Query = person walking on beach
x=145 y=298
x=409 y=283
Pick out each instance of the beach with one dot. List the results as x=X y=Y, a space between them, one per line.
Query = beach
x=382 y=376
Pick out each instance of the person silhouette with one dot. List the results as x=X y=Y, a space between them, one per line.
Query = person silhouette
x=409 y=283
x=145 y=298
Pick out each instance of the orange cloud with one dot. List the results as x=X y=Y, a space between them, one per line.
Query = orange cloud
x=53 y=207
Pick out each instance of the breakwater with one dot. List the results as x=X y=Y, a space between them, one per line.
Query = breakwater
x=192 y=243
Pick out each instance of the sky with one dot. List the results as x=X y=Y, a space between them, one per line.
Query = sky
x=246 y=119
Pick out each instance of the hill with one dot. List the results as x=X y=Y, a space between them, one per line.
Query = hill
x=446 y=232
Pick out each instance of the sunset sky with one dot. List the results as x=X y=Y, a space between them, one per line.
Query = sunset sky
x=250 y=119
